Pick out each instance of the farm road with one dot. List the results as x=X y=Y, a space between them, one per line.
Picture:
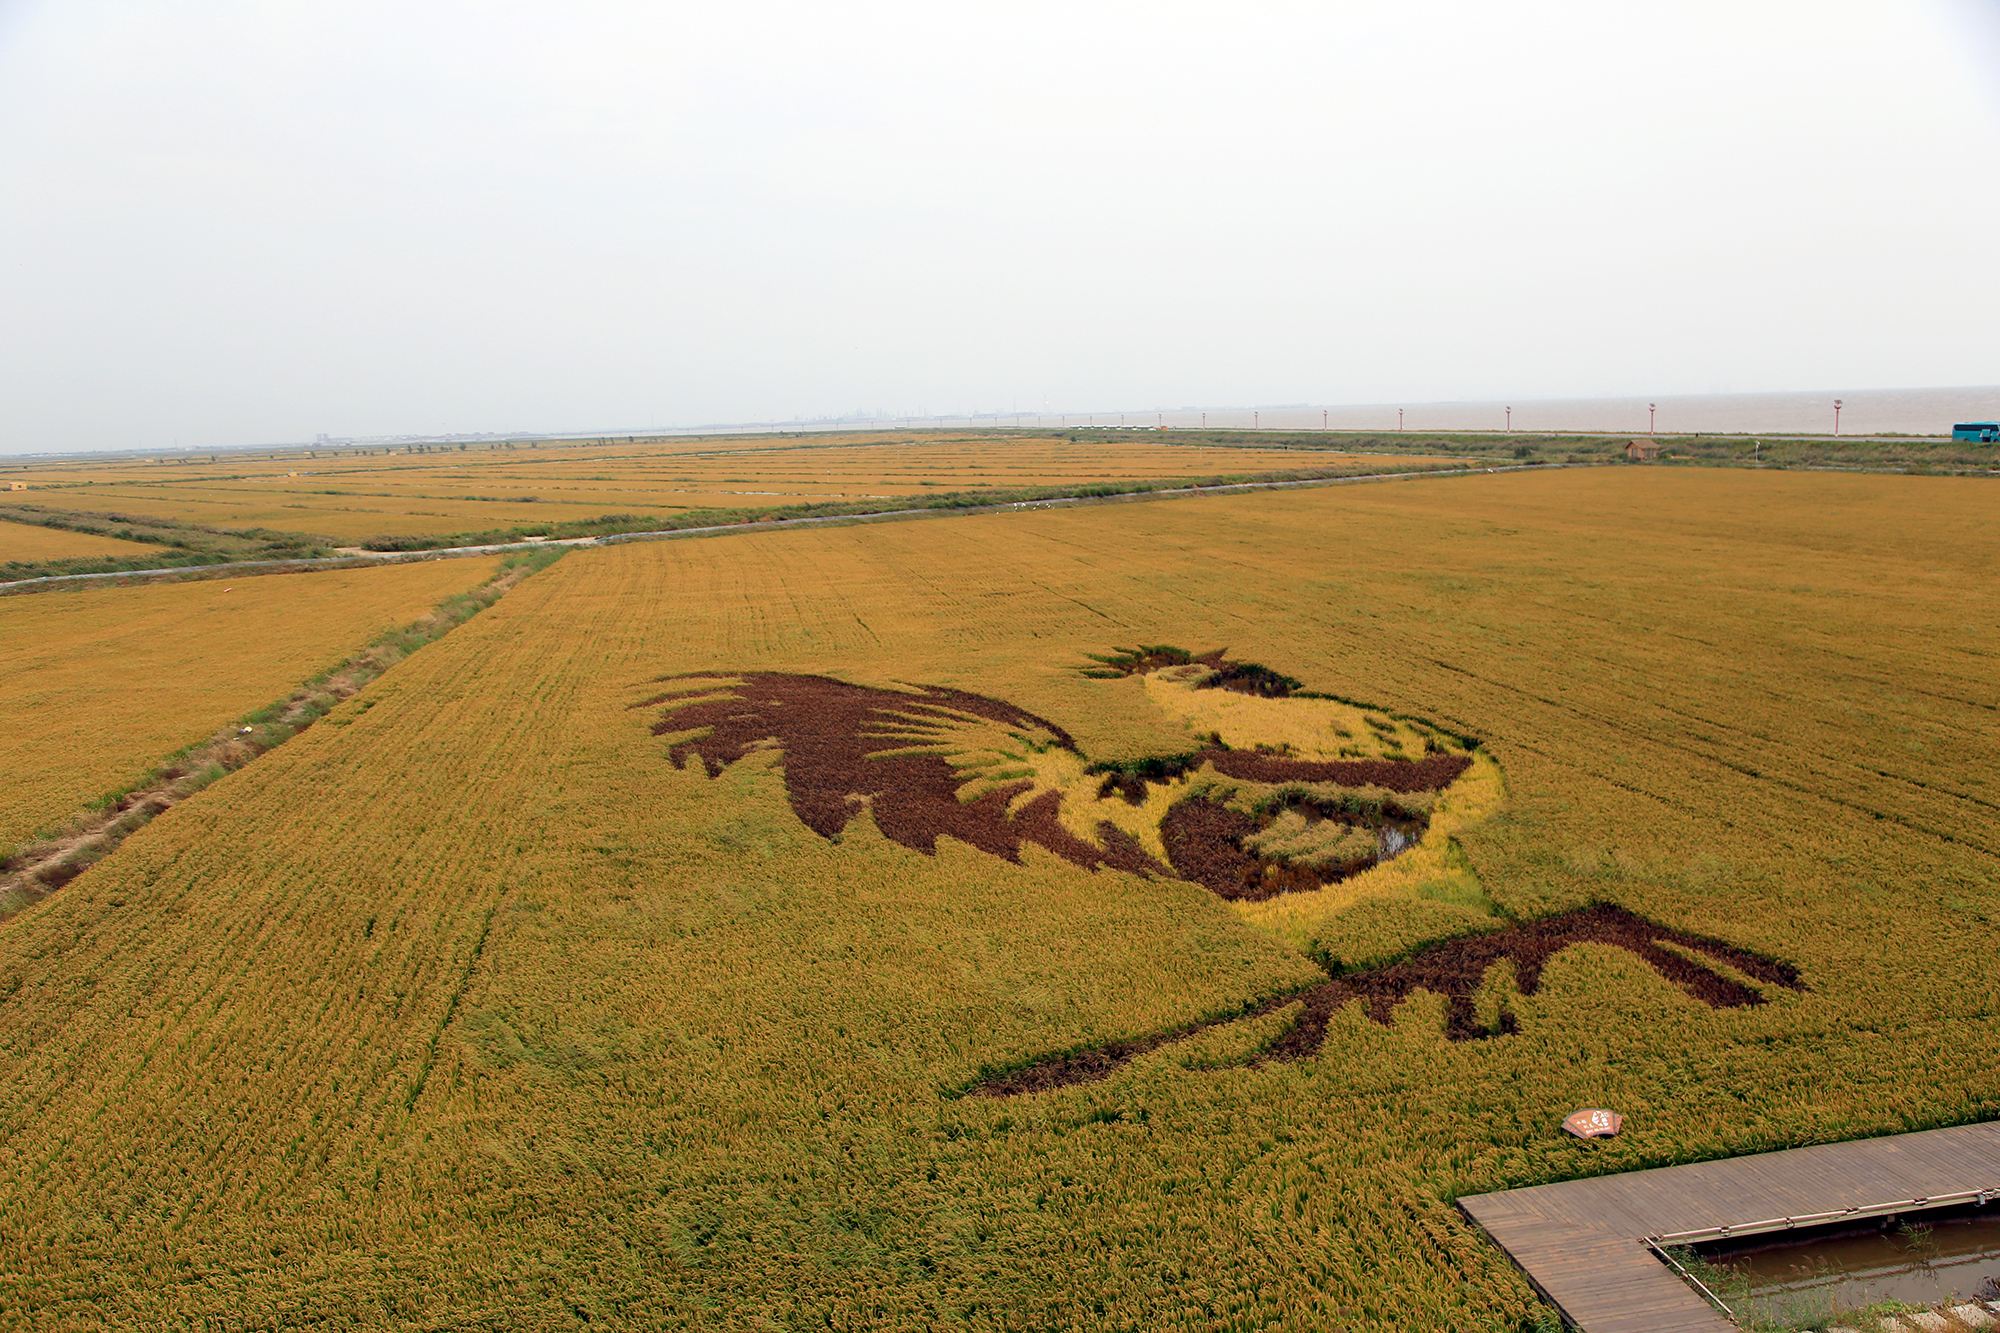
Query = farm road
x=356 y=558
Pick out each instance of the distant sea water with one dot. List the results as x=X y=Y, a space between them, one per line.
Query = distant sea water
x=1863 y=412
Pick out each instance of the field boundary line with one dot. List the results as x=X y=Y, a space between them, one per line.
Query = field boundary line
x=253 y=568
x=43 y=864
x=249 y=568
x=359 y=560
x=1078 y=501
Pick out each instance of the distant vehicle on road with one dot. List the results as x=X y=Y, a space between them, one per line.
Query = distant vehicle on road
x=1979 y=432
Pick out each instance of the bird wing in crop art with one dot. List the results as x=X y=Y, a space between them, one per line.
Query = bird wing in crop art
x=926 y=763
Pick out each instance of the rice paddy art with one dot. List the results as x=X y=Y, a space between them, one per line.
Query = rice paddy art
x=927 y=762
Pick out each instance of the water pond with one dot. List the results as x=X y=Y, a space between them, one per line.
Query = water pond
x=1920 y=1258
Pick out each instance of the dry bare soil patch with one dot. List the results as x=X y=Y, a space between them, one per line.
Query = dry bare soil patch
x=469 y=1009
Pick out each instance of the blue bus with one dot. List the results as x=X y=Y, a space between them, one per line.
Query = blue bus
x=1978 y=432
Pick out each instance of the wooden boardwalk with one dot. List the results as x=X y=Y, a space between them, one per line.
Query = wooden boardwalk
x=1583 y=1243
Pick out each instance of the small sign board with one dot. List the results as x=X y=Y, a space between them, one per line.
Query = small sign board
x=1594 y=1123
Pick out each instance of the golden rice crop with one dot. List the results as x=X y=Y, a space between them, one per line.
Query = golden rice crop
x=467 y=1009
x=350 y=495
x=30 y=543
x=99 y=684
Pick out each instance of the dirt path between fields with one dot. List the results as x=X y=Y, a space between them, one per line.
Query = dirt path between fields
x=42 y=866
x=356 y=557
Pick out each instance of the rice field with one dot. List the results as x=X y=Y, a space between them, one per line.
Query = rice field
x=348 y=496
x=26 y=543
x=500 y=999
x=98 y=685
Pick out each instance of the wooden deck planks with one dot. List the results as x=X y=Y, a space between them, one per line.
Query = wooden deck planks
x=1582 y=1242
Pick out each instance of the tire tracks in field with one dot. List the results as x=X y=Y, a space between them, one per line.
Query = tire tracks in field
x=1079 y=602
x=1720 y=761
x=451 y=1007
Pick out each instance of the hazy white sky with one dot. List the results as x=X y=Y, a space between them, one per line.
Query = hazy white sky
x=226 y=223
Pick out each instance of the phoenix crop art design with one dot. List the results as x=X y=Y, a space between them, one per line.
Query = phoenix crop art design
x=1302 y=793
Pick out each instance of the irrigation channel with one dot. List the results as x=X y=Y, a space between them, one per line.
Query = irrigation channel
x=1666 y=1250
x=1927 y=1257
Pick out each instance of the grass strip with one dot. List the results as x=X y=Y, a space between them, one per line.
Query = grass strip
x=166 y=542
